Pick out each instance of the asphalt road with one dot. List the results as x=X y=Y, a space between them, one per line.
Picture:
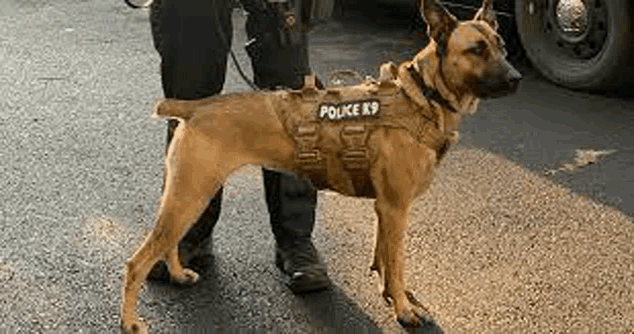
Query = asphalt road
x=496 y=246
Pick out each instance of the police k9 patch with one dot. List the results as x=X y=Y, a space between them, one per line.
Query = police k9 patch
x=349 y=110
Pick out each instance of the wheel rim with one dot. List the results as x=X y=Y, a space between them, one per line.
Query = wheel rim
x=571 y=18
x=576 y=28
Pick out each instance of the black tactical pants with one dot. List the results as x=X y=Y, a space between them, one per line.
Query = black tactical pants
x=193 y=38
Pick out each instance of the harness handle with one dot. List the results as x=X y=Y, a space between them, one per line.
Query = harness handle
x=338 y=74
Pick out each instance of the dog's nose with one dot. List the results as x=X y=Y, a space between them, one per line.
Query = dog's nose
x=514 y=75
x=514 y=78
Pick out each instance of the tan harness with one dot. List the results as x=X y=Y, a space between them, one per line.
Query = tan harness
x=331 y=128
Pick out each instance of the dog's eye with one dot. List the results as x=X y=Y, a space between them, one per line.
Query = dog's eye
x=501 y=46
x=478 y=49
x=501 y=42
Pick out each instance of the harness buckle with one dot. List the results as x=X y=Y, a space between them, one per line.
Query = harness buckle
x=308 y=156
x=355 y=154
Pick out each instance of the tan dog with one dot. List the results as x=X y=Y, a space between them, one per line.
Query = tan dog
x=380 y=139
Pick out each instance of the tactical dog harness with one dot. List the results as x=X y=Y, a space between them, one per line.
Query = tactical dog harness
x=331 y=128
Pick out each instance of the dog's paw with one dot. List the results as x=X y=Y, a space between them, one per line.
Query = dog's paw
x=187 y=277
x=134 y=327
x=416 y=315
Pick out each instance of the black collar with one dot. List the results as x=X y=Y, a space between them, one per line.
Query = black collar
x=428 y=92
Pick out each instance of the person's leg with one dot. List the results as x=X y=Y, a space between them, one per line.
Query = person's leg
x=193 y=66
x=291 y=201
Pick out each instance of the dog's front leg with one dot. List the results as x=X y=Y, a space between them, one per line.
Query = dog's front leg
x=389 y=260
x=396 y=179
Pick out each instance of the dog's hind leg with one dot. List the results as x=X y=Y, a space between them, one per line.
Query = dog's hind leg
x=137 y=269
x=188 y=189
x=162 y=244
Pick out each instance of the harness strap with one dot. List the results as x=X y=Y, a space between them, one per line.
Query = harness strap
x=428 y=92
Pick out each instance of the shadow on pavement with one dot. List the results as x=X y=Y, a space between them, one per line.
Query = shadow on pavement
x=429 y=329
x=210 y=305
x=332 y=309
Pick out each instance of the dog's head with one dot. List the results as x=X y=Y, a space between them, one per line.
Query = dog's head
x=471 y=53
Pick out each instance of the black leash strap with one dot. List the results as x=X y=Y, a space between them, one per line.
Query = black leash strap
x=233 y=56
x=223 y=36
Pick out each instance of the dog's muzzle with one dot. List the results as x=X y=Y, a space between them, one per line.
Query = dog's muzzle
x=502 y=81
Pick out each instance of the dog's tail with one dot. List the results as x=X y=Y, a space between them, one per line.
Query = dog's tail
x=171 y=108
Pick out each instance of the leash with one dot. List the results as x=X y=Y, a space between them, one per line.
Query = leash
x=223 y=36
x=244 y=76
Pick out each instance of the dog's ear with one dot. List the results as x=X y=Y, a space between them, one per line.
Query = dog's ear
x=486 y=14
x=440 y=23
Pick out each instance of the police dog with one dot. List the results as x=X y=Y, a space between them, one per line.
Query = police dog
x=463 y=62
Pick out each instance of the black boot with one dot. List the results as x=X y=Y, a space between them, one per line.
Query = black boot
x=279 y=57
x=291 y=204
x=301 y=263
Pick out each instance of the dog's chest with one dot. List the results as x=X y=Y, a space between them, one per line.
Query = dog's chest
x=331 y=128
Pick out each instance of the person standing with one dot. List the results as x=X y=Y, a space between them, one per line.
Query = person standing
x=193 y=38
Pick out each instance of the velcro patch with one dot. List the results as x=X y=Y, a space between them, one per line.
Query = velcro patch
x=349 y=110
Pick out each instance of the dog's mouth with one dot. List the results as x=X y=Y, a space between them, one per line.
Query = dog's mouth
x=500 y=85
x=497 y=89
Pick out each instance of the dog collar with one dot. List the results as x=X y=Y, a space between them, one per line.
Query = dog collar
x=429 y=93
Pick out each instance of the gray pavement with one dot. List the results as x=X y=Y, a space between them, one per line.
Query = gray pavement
x=496 y=246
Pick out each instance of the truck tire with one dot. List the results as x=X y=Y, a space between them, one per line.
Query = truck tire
x=589 y=50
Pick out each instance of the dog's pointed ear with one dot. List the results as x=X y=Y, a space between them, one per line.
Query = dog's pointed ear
x=486 y=14
x=440 y=23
